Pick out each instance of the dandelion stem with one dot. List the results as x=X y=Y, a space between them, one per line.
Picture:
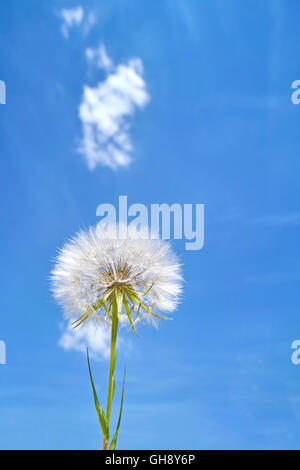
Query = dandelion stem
x=111 y=382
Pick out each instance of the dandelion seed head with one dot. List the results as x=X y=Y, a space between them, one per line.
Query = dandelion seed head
x=98 y=260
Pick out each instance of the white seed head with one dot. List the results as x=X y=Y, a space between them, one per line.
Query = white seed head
x=97 y=260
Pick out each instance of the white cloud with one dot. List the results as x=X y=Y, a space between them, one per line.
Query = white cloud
x=71 y=17
x=90 y=335
x=106 y=109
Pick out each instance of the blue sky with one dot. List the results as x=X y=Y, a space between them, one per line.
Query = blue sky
x=217 y=127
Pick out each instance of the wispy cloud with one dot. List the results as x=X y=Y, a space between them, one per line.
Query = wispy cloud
x=72 y=17
x=268 y=279
x=99 y=57
x=106 y=109
x=90 y=335
x=89 y=22
x=279 y=220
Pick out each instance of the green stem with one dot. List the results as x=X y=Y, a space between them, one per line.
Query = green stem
x=113 y=343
